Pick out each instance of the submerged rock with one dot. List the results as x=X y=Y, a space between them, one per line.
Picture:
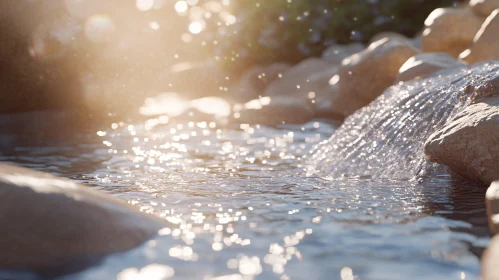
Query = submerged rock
x=484 y=7
x=423 y=65
x=468 y=143
x=485 y=45
x=254 y=81
x=364 y=76
x=336 y=53
x=386 y=138
x=450 y=30
x=54 y=226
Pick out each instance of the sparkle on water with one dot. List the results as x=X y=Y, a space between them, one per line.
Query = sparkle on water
x=240 y=206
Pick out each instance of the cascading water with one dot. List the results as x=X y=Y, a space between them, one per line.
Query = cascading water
x=386 y=138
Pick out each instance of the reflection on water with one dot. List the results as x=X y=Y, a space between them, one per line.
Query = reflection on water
x=239 y=205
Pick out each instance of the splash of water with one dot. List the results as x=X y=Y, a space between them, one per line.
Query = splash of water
x=386 y=138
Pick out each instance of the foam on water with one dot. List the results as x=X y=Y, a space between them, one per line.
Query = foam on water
x=386 y=138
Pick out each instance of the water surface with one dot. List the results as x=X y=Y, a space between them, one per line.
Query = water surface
x=240 y=205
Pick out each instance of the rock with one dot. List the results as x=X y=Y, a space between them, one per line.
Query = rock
x=484 y=7
x=450 y=30
x=52 y=225
x=423 y=65
x=364 y=76
x=417 y=41
x=195 y=80
x=492 y=202
x=336 y=53
x=254 y=81
x=389 y=35
x=296 y=80
x=274 y=111
x=301 y=86
x=485 y=46
x=468 y=143
x=490 y=261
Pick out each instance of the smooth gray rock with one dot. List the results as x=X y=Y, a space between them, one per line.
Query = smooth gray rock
x=52 y=225
x=469 y=143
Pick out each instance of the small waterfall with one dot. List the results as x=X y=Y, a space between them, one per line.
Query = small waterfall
x=386 y=138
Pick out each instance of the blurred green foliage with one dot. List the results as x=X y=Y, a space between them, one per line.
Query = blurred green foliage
x=288 y=30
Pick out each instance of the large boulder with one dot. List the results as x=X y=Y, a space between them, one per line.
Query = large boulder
x=423 y=65
x=296 y=79
x=255 y=80
x=485 y=46
x=484 y=7
x=336 y=53
x=364 y=76
x=450 y=30
x=468 y=144
x=52 y=225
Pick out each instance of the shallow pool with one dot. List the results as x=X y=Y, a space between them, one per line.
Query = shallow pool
x=239 y=206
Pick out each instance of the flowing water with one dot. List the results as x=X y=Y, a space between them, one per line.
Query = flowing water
x=242 y=205
x=385 y=139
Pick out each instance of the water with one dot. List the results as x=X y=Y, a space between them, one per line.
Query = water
x=384 y=140
x=242 y=205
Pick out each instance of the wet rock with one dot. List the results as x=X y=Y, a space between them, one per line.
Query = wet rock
x=389 y=35
x=423 y=65
x=450 y=30
x=54 y=226
x=254 y=81
x=490 y=261
x=296 y=80
x=364 y=76
x=417 y=41
x=485 y=46
x=484 y=7
x=274 y=111
x=468 y=143
x=336 y=53
x=492 y=202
